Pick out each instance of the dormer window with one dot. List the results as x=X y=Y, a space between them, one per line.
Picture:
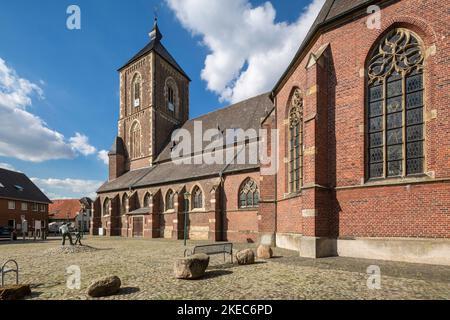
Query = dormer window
x=136 y=96
x=18 y=188
x=1 y=185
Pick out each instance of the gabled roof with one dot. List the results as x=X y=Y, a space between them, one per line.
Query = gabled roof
x=64 y=209
x=156 y=46
x=18 y=186
x=244 y=115
x=332 y=11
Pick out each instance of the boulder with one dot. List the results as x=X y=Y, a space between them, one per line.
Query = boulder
x=192 y=267
x=15 y=292
x=104 y=287
x=264 y=252
x=246 y=256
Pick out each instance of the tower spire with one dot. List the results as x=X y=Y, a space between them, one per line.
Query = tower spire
x=155 y=34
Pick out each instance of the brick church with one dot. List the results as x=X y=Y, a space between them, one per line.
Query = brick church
x=363 y=151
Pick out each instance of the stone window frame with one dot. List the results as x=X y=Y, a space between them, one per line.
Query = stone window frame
x=106 y=207
x=169 y=200
x=125 y=204
x=390 y=62
x=134 y=136
x=171 y=85
x=146 y=200
x=295 y=128
x=195 y=198
x=248 y=186
x=137 y=78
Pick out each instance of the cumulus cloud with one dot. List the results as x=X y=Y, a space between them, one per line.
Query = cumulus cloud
x=68 y=188
x=26 y=136
x=7 y=166
x=103 y=156
x=248 y=50
x=23 y=135
x=80 y=143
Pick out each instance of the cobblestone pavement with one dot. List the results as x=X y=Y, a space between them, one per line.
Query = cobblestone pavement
x=146 y=270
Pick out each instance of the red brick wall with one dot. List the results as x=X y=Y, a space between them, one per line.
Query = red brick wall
x=30 y=215
x=409 y=210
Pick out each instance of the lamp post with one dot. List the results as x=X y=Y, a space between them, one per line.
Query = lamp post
x=187 y=195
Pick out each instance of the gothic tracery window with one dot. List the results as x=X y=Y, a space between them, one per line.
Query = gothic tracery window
x=136 y=87
x=135 y=141
x=147 y=201
x=107 y=207
x=249 y=194
x=125 y=204
x=395 y=107
x=197 y=198
x=170 y=196
x=295 y=141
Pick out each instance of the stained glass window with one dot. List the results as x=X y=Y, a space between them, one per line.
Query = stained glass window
x=395 y=107
x=249 y=194
x=295 y=142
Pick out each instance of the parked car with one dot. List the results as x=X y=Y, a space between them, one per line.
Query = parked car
x=5 y=233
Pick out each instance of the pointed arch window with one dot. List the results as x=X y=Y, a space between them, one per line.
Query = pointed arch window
x=249 y=194
x=295 y=142
x=136 y=87
x=125 y=204
x=197 y=198
x=147 y=200
x=135 y=141
x=170 y=196
x=395 y=107
x=107 y=207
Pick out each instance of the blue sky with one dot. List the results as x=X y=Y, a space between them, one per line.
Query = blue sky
x=65 y=82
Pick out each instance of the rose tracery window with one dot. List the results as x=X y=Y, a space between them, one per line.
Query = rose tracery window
x=295 y=141
x=395 y=107
x=249 y=194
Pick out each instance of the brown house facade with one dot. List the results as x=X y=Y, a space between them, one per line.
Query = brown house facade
x=21 y=199
x=363 y=144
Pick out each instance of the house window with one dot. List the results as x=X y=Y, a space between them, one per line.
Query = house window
x=35 y=207
x=135 y=141
x=136 y=91
x=295 y=142
x=42 y=207
x=170 y=200
x=395 y=107
x=24 y=206
x=11 y=205
x=248 y=194
x=197 y=198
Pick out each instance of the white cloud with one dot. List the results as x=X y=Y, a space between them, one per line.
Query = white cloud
x=7 y=166
x=26 y=136
x=68 y=188
x=249 y=50
x=103 y=156
x=80 y=143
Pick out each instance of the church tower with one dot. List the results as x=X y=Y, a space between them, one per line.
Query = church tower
x=154 y=101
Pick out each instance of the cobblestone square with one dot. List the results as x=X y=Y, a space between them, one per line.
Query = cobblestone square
x=146 y=270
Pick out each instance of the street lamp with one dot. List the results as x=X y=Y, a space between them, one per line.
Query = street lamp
x=187 y=196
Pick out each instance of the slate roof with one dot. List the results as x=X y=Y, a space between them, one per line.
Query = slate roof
x=156 y=46
x=331 y=11
x=64 y=209
x=18 y=186
x=243 y=115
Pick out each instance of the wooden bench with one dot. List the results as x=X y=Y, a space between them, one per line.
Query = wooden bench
x=212 y=249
